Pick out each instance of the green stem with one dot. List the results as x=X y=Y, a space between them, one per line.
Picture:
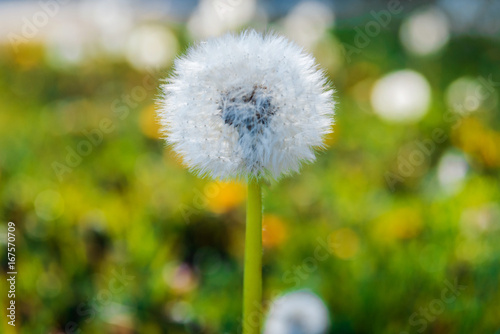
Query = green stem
x=252 y=283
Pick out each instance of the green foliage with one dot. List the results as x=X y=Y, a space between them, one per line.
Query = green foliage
x=125 y=240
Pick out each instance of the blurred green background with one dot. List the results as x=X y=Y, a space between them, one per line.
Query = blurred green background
x=115 y=236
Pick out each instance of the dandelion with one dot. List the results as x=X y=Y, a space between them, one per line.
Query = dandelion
x=246 y=106
x=297 y=312
x=250 y=107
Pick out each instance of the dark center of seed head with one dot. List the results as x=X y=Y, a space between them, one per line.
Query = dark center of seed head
x=248 y=112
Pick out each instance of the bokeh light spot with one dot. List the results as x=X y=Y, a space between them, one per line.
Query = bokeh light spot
x=214 y=17
x=452 y=170
x=228 y=196
x=425 y=32
x=297 y=312
x=479 y=141
x=181 y=279
x=466 y=94
x=307 y=22
x=401 y=96
x=274 y=231
x=151 y=47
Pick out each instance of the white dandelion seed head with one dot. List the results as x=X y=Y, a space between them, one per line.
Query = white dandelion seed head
x=299 y=312
x=246 y=106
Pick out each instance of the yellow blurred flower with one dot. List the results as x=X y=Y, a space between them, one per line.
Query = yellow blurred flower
x=401 y=223
x=148 y=122
x=29 y=55
x=475 y=138
x=344 y=243
x=274 y=231
x=224 y=196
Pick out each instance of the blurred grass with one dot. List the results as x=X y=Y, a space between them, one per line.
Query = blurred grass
x=130 y=205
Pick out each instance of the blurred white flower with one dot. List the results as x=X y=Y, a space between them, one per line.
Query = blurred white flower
x=401 y=96
x=246 y=106
x=425 y=32
x=452 y=170
x=298 y=312
x=307 y=22
x=215 y=17
x=151 y=46
x=467 y=94
x=67 y=46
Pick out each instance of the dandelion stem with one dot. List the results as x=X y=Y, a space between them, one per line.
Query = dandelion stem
x=252 y=283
